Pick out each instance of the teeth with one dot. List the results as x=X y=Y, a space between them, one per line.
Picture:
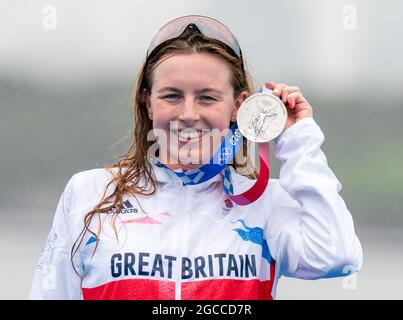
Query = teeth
x=190 y=134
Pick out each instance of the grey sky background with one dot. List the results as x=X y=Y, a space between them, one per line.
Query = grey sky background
x=64 y=100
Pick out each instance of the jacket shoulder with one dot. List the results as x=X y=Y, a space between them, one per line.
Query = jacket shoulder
x=90 y=174
x=91 y=178
x=88 y=188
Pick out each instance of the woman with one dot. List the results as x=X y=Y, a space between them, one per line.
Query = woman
x=139 y=230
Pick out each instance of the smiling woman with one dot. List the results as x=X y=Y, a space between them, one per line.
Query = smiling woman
x=182 y=236
x=195 y=91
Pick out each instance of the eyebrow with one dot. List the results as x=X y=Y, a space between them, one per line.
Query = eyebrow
x=173 y=89
x=169 y=89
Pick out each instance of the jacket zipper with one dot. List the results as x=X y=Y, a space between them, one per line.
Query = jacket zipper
x=178 y=283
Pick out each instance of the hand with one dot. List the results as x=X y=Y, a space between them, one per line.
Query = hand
x=297 y=106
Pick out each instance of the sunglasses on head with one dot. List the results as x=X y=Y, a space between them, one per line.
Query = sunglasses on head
x=209 y=27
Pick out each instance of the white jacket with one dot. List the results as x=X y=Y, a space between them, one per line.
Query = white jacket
x=192 y=242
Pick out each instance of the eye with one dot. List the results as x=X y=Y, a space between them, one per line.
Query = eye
x=207 y=98
x=171 y=97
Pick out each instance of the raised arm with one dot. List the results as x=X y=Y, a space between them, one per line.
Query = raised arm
x=311 y=231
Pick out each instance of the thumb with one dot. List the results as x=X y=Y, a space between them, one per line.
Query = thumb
x=270 y=85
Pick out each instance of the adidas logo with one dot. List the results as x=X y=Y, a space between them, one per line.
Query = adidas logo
x=127 y=208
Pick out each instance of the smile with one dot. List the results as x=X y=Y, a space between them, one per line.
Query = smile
x=190 y=135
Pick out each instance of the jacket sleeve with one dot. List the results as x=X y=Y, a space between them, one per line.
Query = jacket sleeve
x=311 y=232
x=54 y=276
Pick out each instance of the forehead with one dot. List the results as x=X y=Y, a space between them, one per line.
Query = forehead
x=192 y=70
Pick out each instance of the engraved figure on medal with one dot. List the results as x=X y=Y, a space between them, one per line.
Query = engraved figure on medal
x=262 y=117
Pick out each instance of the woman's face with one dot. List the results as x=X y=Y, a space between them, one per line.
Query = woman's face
x=191 y=105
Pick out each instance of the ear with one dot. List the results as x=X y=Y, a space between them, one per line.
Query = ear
x=237 y=103
x=147 y=101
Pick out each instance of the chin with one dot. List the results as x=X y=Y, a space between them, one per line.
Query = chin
x=193 y=159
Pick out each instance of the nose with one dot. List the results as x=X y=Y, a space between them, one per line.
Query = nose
x=189 y=112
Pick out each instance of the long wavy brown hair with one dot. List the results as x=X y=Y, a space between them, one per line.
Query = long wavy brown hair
x=132 y=173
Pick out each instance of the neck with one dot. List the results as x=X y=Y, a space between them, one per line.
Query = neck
x=175 y=163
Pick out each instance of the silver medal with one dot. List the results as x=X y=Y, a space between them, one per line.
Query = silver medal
x=262 y=117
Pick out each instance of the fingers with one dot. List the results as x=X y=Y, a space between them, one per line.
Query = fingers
x=285 y=91
x=292 y=99
x=276 y=87
x=287 y=94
